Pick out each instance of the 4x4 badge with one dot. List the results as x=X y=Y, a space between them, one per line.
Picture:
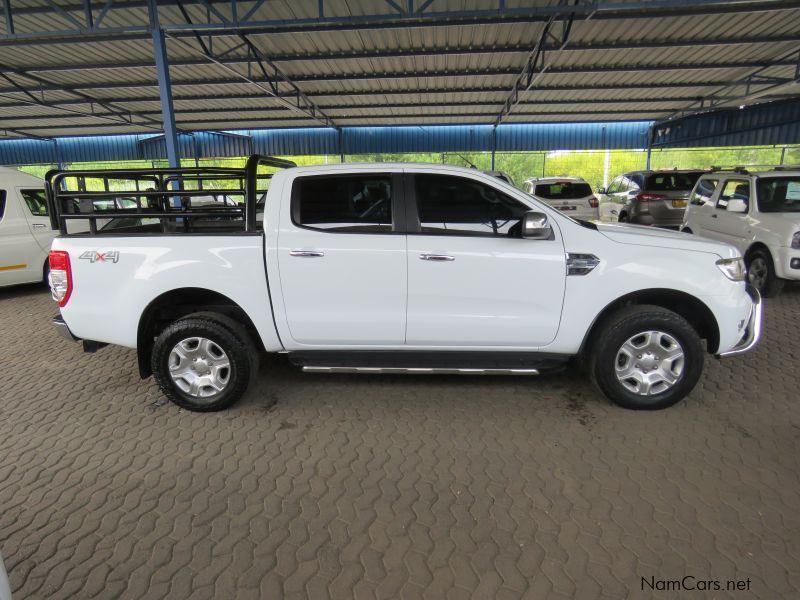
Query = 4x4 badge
x=93 y=256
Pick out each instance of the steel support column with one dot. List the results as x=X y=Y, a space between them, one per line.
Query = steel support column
x=164 y=86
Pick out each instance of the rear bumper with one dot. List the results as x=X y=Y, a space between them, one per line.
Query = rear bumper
x=63 y=330
x=752 y=332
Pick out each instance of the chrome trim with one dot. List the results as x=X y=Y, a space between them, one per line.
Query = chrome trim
x=63 y=330
x=436 y=257
x=752 y=332
x=306 y=253
x=419 y=371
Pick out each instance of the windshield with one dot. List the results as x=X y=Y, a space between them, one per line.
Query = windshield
x=563 y=190
x=778 y=194
x=671 y=182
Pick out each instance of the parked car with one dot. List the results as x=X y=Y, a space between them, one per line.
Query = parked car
x=571 y=195
x=759 y=213
x=400 y=268
x=25 y=232
x=656 y=198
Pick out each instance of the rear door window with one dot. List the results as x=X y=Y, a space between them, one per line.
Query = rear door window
x=344 y=204
x=703 y=192
x=563 y=190
x=36 y=202
x=734 y=188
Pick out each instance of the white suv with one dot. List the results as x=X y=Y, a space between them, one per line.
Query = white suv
x=571 y=195
x=759 y=213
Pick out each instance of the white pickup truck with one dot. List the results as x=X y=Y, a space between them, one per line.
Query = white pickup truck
x=378 y=268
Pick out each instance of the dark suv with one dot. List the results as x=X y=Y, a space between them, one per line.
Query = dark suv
x=656 y=198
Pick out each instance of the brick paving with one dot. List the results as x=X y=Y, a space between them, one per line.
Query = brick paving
x=320 y=486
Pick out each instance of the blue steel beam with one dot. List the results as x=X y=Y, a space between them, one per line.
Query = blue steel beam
x=164 y=87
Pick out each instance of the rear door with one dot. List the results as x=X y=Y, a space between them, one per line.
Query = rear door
x=472 y=281
x=21 y=258
x=341 y=257
x=34 y=207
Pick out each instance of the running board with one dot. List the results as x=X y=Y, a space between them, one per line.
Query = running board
x=418 y=371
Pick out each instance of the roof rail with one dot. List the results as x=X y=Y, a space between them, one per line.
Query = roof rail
x=751 y=168
x=742 y=170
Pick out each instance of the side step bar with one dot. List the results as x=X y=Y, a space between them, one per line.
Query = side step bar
x=418 y=371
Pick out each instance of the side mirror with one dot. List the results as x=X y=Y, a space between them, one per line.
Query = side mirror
x=601 y=190
x=535 y=226
x=737 y=205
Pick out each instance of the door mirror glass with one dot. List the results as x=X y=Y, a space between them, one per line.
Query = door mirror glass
x=535 y=226
x=737 y=205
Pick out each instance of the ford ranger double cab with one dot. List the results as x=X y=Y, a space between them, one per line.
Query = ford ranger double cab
x=759 y=214
x=382 y=268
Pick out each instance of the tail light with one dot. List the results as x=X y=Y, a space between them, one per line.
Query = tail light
x=594 y=202
x=648 y=197
x=60 y=276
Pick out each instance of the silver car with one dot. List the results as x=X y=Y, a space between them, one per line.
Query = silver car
x=656 y=198
x=571 y=195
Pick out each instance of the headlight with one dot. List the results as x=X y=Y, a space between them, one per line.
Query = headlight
x=796 y=240
x=733 y=268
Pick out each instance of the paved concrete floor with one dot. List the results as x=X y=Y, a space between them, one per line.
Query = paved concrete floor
x=385 y=487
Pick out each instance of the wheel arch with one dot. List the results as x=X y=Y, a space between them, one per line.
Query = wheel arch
x=691 y=308
x=754 y=247
x=177 y=303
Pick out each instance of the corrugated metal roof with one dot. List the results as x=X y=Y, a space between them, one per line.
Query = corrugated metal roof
x=364 y=70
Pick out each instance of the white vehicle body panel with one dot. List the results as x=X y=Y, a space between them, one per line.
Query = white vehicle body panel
x=108 y=298
x=24 y=237
x=743 y=230
x=498 y=293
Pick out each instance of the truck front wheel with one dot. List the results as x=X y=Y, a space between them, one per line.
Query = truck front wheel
x=645 y=357
x=204 y=362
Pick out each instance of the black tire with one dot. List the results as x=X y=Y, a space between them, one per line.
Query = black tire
x=761 y=273
x=624 y=325
x=46 y=272
x=226 y=335
x=623 y=218
x=687 y=230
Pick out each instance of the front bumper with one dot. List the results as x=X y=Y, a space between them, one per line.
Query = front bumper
x=63 y=330
x=752 y=332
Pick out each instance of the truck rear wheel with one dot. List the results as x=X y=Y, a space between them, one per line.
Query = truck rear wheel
x=204 y=362
x=645 y=358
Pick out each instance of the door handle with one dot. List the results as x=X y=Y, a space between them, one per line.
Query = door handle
x=39 y=225
x=306 y=253
x=436 y=257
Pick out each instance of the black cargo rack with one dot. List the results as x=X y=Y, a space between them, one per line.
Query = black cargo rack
x=160 y=197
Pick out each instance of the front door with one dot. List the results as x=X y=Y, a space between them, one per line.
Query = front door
x=472 y=281
x=702 y=205
x=342 y=261
x=727 y=226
